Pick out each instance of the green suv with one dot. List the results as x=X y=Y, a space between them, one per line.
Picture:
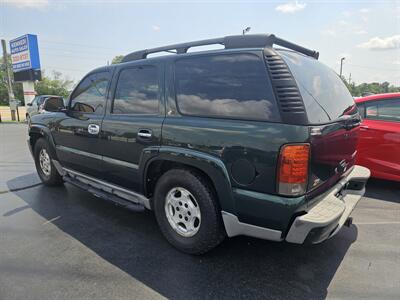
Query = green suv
x=246 y=140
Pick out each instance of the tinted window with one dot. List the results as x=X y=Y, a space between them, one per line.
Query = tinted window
x=137 y=91
x=361 y=109
x=40 y=100
x=325 y=96
x=54 y=103
x=89 y=96
x=387 y=110
x=229 y=85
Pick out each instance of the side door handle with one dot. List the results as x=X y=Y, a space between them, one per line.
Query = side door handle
x=93 y=129
x=145 y=133
x=364 y=127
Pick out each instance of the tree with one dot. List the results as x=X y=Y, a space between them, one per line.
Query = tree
x=117 y=59
x=17 y=87
x=373 y=87
x=55 y=85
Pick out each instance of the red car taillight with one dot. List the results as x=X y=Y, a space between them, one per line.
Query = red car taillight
x=292 y=173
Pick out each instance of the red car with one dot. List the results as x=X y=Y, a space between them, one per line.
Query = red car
x=379 y=141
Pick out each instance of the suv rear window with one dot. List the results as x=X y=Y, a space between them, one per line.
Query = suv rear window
x=225 y=85
x=325 y=96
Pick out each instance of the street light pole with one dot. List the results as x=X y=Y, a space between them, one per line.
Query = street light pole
x=11 y=96
x=247 y=29
x=341 y=66
x=5 y=57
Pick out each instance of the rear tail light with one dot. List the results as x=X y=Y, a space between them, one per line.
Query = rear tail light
x=293 y=169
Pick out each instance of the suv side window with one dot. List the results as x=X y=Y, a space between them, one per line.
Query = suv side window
x=90 y=95
x=385 y=110
x=137 y=91
x=225 y=85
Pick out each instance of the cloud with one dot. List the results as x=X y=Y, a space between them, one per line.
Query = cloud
x=290 y=7
x=156 y=27
x=27 y=3
x=346 y=13
x=360 y=31
x=377 y=43
x=364 y=10
x=364 y=18
x=328 y=32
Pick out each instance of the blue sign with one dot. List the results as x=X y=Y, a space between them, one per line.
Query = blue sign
x=25 y=53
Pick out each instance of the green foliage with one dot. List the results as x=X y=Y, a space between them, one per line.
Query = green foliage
x=374 y=87
x=117 y=59
x=55 y=85
x=17 y=87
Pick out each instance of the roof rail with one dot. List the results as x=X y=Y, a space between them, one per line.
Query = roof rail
x=230 y=42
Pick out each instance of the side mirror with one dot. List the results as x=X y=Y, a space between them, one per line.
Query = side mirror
x=54 y=104
x=29 y=104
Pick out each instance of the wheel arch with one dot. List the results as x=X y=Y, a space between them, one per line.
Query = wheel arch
x=39 y=131
x=212 y=169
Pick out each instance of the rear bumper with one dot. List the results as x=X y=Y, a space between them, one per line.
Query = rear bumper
x=320 y=221
x=327 y=217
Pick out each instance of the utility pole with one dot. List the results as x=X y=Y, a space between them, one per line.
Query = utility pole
x=11 y=96
x=246 y=30
x=341 y=66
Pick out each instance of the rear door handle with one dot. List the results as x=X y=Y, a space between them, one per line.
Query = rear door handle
x=93 y=129
x=145 y=133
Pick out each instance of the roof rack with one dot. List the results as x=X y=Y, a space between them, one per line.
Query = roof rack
x=230 y=42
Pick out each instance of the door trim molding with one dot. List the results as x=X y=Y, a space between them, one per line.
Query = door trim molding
x=99 y=157
x=120 y=162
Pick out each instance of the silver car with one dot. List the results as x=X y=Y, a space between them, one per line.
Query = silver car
x=36 y=106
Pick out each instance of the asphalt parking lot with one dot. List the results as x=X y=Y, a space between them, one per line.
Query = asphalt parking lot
x=63 y=243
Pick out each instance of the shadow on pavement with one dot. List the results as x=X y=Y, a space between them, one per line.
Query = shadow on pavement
x=22 y=182
x=239 y=268
x=375 y=187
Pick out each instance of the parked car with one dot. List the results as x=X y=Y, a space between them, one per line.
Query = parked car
x=379 y=142
x=247 y=140
x=36 y=106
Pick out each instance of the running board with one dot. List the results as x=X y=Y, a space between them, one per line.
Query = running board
x=118 y=195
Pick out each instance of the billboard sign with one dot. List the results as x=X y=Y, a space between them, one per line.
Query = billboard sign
x=24 y=53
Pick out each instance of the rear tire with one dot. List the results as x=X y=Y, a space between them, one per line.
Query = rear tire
x=44 y=165
x=187 y=212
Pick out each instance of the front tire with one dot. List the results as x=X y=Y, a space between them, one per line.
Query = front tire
x=187 y=212
x=44 y=166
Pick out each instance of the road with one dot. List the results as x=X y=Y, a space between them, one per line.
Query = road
x=63 y=243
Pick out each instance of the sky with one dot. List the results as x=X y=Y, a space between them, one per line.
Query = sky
x=77 y=36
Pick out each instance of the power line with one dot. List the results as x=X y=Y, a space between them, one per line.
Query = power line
x=67 y=69
x=371 y=67
x=82 y=45
x=79 y=57
x=84 y=51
